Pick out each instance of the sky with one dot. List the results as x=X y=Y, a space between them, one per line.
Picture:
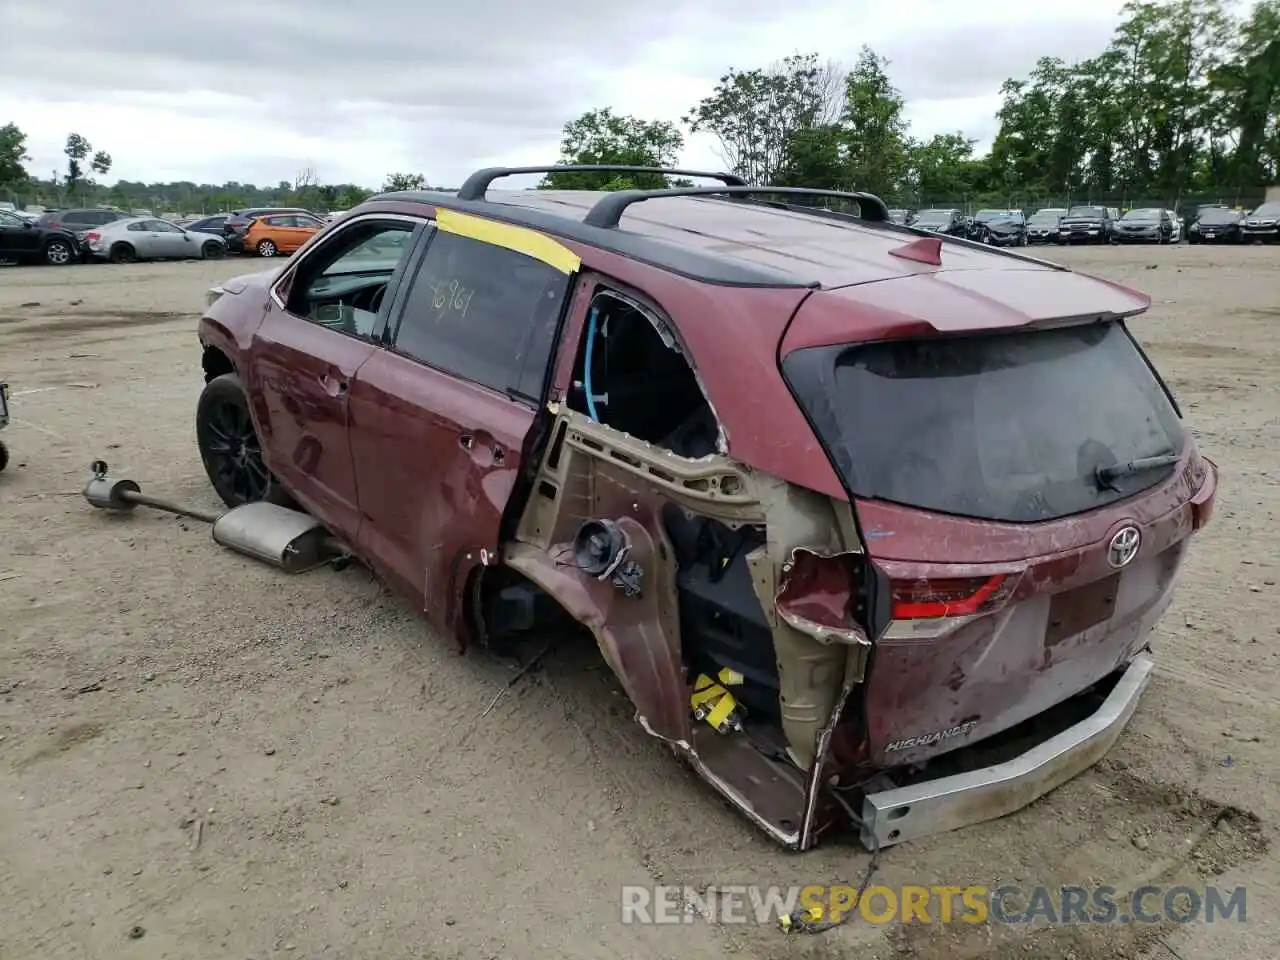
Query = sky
x=256 y=92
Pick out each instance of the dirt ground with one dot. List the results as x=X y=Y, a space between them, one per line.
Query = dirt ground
x=203 y=758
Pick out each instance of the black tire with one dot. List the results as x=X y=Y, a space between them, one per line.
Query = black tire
x=267 y=248
x=59 y=253
x=229 y=446
x=122 y=253
x=212 y=250
x=4 y=456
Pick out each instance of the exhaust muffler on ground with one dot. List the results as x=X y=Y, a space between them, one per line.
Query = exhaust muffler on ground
x=288 y=539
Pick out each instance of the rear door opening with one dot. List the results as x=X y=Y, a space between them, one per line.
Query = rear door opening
x=993 y=476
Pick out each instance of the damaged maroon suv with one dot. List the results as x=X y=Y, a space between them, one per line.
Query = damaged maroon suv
x=872 y=525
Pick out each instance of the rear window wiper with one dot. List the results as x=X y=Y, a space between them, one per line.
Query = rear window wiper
x=1105 y=477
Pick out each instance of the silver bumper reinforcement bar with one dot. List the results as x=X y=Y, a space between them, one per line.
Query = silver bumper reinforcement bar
x=948 y=803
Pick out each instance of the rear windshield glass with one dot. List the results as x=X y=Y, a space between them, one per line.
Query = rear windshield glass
x=1006 y=427
x=1098 y=212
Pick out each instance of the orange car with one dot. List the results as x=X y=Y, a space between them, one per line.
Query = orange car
x=280 y=233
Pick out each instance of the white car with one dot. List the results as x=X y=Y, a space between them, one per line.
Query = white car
x=146 y=238
x=1177 y=226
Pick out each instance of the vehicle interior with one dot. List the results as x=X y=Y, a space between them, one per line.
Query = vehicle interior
x=343 y=288
x=631 y=374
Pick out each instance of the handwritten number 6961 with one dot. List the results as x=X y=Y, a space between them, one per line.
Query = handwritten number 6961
x=450 y=298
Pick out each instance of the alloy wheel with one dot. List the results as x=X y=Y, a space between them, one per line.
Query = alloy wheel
x=234 y=453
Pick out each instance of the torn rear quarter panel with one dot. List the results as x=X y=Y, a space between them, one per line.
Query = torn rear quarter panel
x=591 y=472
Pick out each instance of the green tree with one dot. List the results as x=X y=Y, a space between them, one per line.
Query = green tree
x=1244 y=97
x=101 y=163
x=815 y=156
x=601 y=136
x=756 y=115
x=942 y=169
x=397 y=182
x=875 y=129
x=13 y=154
x=77 y=149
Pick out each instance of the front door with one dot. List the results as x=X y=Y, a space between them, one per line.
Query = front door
x=307 y=352
x=168 y=241
x=440 y=420
x=18 y=238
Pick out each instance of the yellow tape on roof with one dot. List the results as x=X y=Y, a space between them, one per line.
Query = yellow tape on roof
x=520 y=239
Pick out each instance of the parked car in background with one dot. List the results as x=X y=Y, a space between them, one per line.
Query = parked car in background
x=1178 y=226
x=1144 y=225
x=952 y=500
x=280 y=233
x=1086 y=224
x=1043 y=226
x=899 y=216
x=210 y=224
x=1263 y=225
x=999 y=228
x=1216 y=225
x=234 y=227
x=949 y=222
x=148 y=238
x=80 y=220
x=23 y=240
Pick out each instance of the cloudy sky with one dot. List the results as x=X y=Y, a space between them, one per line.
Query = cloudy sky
x=255 y=91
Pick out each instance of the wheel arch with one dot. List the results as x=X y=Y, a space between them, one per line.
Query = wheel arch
x=215 y=363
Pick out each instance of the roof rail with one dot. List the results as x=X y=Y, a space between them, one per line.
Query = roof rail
x=475 y=186
x=608 y=210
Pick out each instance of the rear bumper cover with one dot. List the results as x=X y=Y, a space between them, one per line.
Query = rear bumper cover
x=936 y=806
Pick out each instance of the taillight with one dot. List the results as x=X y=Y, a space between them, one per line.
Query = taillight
x=1203 y=498
x=92 y=235
x=927 y=608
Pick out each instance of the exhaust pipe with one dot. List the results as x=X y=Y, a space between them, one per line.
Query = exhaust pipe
x=288 y=539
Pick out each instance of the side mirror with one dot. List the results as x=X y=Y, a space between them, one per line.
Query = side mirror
x=28 y=225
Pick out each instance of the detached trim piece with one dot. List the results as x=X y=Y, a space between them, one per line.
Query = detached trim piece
x=532 y=244
x=948 y=803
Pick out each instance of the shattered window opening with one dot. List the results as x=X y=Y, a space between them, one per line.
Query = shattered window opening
x=640 y=382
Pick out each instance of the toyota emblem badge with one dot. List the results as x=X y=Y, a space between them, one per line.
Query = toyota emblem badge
x=1123 y=546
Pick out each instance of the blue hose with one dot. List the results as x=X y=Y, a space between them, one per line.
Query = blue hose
x=586 y=373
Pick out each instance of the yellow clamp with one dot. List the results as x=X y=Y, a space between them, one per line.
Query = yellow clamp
x=800 y=920
x=712 y=702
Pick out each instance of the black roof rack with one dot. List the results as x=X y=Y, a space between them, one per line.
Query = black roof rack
x=608 y=210
x=475 y=186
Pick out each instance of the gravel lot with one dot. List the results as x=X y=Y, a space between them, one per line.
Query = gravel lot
x=242 y=764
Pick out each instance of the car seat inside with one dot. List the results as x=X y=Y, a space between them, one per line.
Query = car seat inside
x=632 y=375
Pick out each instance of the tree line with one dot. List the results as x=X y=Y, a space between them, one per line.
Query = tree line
x=1183 y=104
